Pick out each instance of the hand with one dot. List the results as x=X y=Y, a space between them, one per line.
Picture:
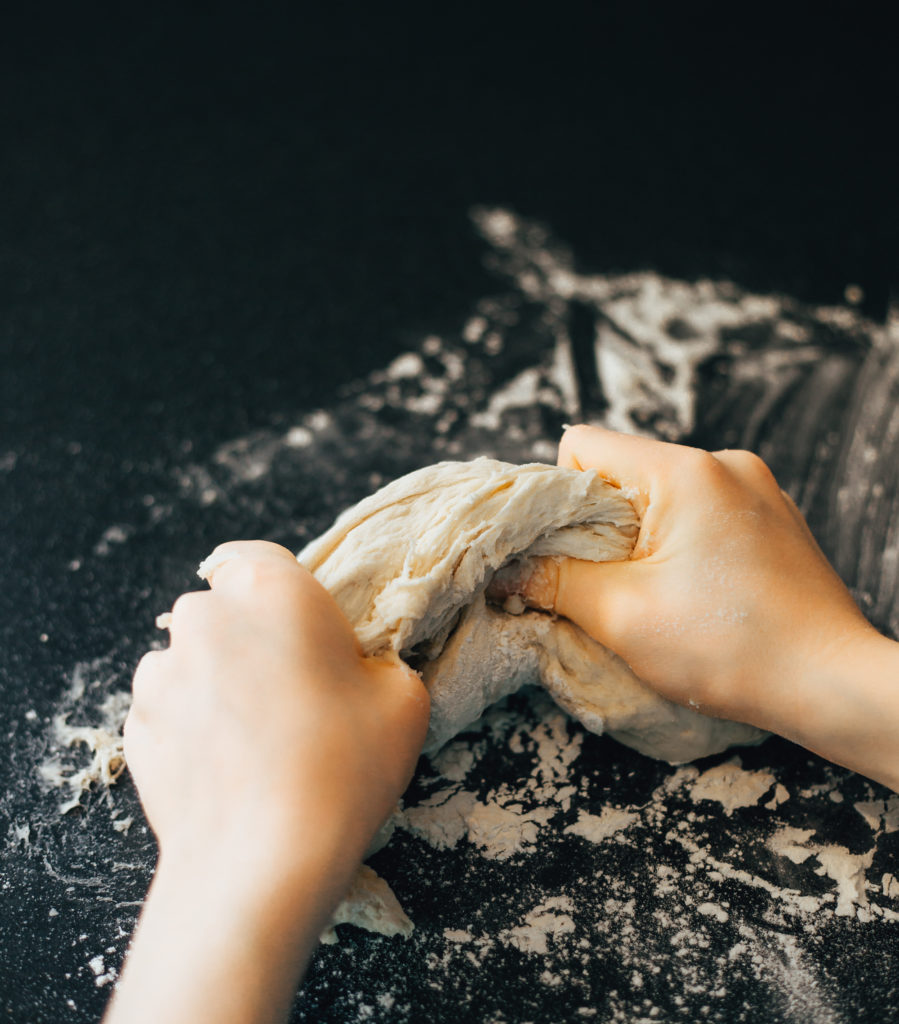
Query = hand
x=267 y=751
x=727 y=602
x=263 y=719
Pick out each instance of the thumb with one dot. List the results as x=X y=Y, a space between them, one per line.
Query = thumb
x=246 y=550
x=605 y=599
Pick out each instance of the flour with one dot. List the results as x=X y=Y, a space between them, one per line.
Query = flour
x=548 y=922
x=847 y=870
x=500 y=828
x=103 y=741
x=370 y=904
x=713 y=910
x=442 y=819
x=882 y=816
x=642 y=894
x=454 y=761
x=597 y=828
x=500 y=831
x=731 y=786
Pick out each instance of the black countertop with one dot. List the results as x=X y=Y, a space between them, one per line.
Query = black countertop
x=251 y=267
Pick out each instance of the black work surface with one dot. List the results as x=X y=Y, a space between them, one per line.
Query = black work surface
x=218 y=232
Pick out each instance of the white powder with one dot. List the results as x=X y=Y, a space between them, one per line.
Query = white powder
x=610 y=822
x=499 y=832
x=731 y=786
x=103 y=740
x=713 y=910
x=441 y=819
x=547 y=922
x=454 y=761
x=881 y=815
x=688 y=841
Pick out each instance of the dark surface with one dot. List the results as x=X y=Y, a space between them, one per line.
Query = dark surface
x=212 y=223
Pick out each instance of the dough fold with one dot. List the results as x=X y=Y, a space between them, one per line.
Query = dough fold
x=409 y=565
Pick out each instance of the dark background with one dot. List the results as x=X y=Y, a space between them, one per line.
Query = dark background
x=211 y=216
x=211 y=219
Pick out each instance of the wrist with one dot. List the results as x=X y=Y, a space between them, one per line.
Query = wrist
x=843 y=703
x=276 y=850
x=230 y=929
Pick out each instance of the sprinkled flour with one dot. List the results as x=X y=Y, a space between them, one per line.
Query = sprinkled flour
x=530 y=855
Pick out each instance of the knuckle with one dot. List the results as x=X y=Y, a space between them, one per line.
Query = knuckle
x=573 y=439
x=189 y=607
x=748 y=464
x=149 y=664
x=695 y=462
x=256 y=577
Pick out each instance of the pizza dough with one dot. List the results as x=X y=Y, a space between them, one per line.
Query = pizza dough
x=409 y=565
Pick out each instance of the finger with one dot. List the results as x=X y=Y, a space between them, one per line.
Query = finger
x=265 y=579
x=604 y=598
x=399 y=680
x=623 y=460
x=532 y=580
x=189 y=613
x=211 y=568
x=748 y=468
x=148 y=675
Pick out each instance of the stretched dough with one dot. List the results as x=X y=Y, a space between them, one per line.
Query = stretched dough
x=409 y=566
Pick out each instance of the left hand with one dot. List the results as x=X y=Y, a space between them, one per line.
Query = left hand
x=262 y=723
x=267 y=751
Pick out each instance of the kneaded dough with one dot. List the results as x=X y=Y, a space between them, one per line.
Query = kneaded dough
x=409 y=565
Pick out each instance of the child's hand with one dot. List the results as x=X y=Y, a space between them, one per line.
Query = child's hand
x=262 y=726
x=266 y=751
x=727 y=603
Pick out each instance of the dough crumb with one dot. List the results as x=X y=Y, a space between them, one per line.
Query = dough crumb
x=369 y=904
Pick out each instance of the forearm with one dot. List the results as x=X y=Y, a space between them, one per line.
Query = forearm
x=225 y=941
x=844 y=706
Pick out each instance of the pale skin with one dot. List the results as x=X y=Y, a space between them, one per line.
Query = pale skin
x=267 y=750
x=727 y=603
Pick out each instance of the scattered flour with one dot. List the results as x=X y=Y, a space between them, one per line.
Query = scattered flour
x=688 y=836
x=847 y=870
x=549 y=921
x=731 y=786
x=103 y=740
x=370 y=904
x=713 y=910
x=596 y=828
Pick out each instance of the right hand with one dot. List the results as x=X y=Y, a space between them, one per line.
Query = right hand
x=727 y=602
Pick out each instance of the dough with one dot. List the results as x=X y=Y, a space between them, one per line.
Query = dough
x=369 y=904
x=409 y=566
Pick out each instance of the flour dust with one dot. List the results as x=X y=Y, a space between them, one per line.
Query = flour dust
x=629 y=890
